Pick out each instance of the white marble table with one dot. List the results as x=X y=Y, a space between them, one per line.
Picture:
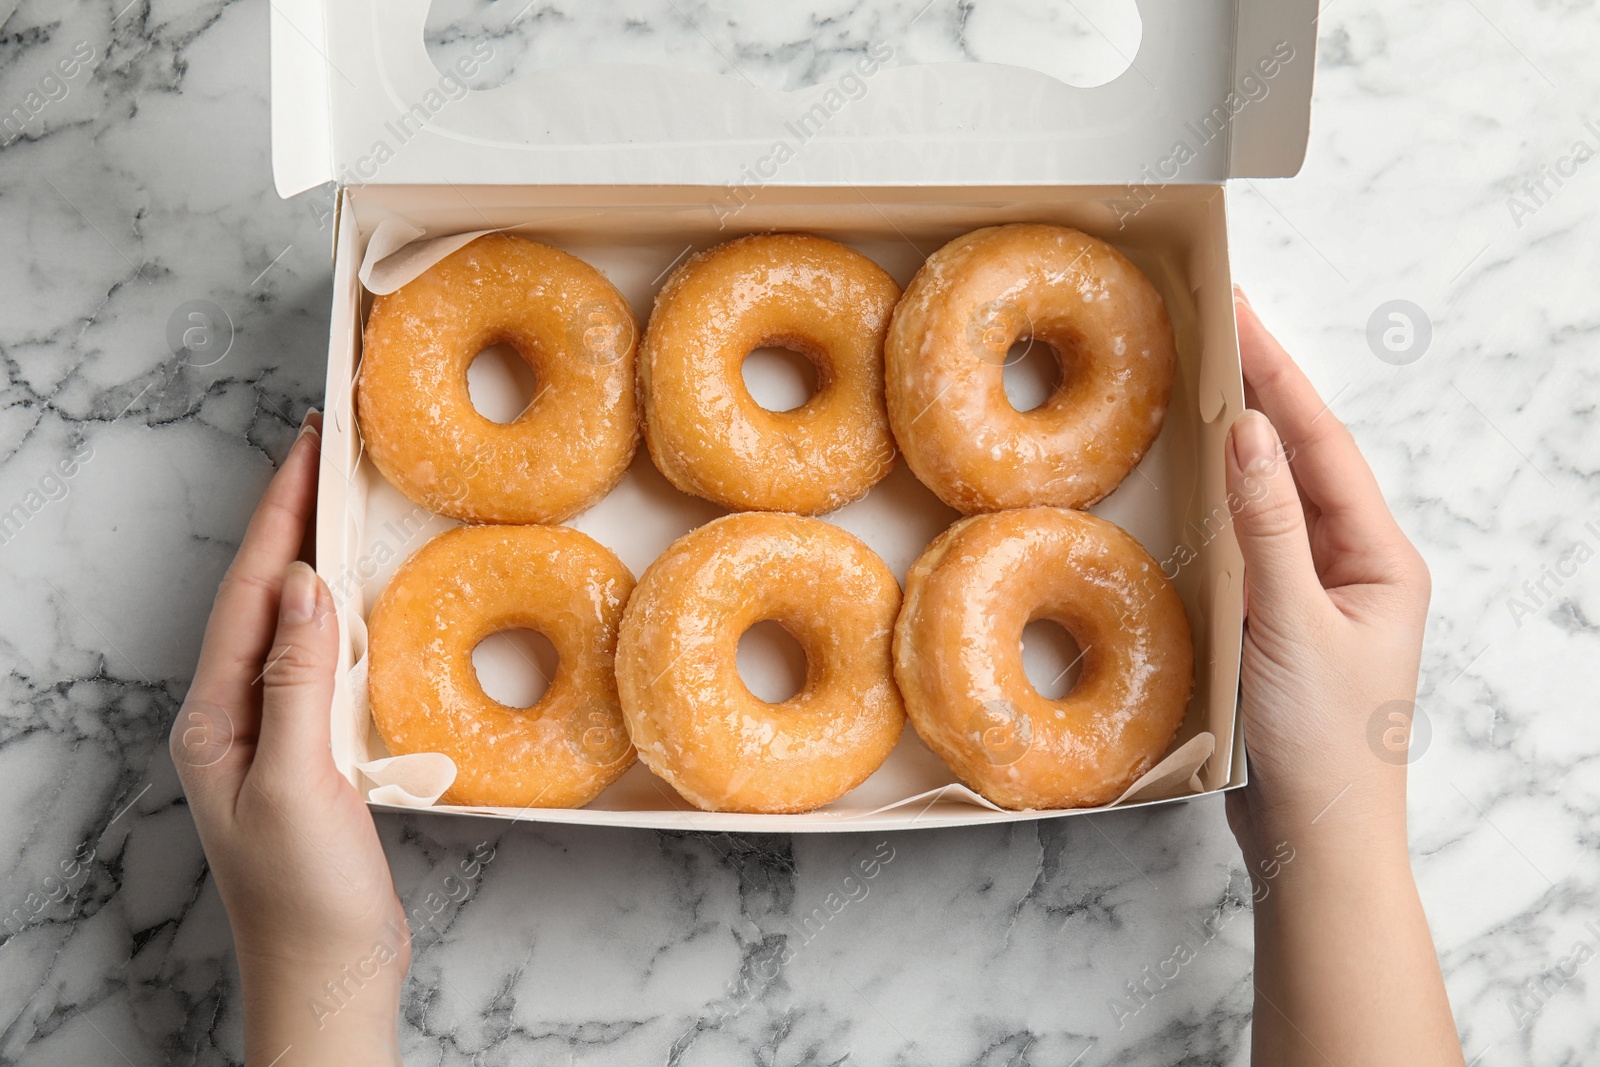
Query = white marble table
x=143 y=182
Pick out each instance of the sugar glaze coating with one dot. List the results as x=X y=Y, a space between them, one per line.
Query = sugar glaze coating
x=958 y=657
x=465 y=585
x=704 y=430
x=691 y=717
x=946 y=353
x=574 y=441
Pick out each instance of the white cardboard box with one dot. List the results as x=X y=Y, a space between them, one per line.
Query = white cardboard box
x=909 y=165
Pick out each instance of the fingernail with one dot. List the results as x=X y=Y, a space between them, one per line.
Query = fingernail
x=1254 y=440
x=1239 y=297
x=307 y=426
x=299 y=601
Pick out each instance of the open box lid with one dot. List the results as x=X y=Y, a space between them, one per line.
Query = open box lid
x=1215 y=89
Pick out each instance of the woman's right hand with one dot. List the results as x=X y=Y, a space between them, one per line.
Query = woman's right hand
x=1337 y=598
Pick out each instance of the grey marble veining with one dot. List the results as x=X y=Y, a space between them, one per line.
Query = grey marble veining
x=1451 y=165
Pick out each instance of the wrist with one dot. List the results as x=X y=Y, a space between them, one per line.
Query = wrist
x=346 y=1013
x=1355 y=827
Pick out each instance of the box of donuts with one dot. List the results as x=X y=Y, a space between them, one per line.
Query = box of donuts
x=716 y=441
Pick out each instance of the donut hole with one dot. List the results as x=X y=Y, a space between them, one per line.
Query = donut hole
x=500 y=383
x=1032 y=373
x=1051 y=658
x=779 y=378
x=514 y=667
x=771 y=662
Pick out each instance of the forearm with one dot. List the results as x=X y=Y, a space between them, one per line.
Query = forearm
x=1345 y=964
x=344 y=1024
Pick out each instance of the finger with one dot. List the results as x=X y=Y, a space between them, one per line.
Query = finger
x=308 y=542
x=297 y=685
x=209 y=756
x=1253 y=402
x=1268 y=522
x=1327 y=463
x=243 y=616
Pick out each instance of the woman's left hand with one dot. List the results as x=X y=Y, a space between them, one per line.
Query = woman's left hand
x=322 y=941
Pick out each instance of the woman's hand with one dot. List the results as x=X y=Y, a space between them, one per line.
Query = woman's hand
x=1337 y=601
x=1337 y=598
x=322 y=942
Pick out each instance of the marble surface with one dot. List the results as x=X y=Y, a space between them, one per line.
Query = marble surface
x=142 y=183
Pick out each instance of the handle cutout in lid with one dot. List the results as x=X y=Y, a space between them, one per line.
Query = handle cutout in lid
x=785 y=46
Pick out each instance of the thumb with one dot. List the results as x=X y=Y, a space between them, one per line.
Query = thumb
x=1269 y=521
x=298 y=681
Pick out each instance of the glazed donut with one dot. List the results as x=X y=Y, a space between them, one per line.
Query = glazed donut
x=946 y=354
x=703 y=429
x=469 y=583
x=575 y=439
x=958 y=657
x=690 y=715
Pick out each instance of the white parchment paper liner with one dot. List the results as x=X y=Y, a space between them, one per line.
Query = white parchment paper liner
x=400 y=250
